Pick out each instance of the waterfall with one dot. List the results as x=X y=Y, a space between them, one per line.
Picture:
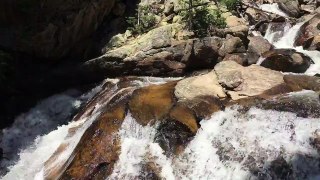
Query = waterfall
x=272 y=8
x=286 y=41
x=258 y=137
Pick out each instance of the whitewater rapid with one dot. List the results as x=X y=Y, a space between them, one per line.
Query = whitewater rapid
x=262 y=135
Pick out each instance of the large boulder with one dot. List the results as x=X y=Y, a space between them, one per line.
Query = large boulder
x=203 y=85
x=50 y=29
x=242 y=81
x=308 y=36
x=159 y=53
x=257 y=46
x=205 y=52
x=232 y=45
x=286 y=60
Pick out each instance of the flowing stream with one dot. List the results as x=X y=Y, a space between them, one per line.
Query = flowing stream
x=248 y=141
x=285 y=39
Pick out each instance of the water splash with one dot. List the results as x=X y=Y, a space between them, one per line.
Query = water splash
x=287 y=40
x=229 y=145
x=41 y=119
x=272 y=8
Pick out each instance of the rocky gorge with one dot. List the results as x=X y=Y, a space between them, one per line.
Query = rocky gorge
x=239 y=102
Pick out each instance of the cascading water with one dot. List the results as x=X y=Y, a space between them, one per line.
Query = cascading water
x=272 y=8
x=43 y=118
x=229 y=145
x=285 y=39
x=32 y=160
x=233 y=144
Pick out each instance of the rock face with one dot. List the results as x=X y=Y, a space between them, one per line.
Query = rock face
x=160 y=53
x=286 y=60
x=50 y=29
x=290 y=7
x=308 y=36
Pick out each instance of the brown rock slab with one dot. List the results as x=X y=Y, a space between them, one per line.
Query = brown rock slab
x=152 y=103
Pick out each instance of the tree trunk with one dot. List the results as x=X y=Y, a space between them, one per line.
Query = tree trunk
x=190 y=14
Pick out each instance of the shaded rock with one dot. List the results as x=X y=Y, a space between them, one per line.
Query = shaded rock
x=300 y=82
x=246 y=81
x=304 y=104
x=185 y=116
x=308 y=33
x=204 y=106
x=313 y=43
x=51 y=29
x=280 y=169
x=257 y=46
x=205 y=51
x=316 y=139
x=290 y=7
x=240 y=58
x=119 y=9
x=286 y=60
x=232 y=45
x=203 y=85
x=173 y=136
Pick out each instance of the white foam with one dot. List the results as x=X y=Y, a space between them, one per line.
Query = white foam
x=272 y=8
x=137 y=147
x=261 y=134
x=32 y=160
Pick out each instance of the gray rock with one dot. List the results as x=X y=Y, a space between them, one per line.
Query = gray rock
x=257 y=46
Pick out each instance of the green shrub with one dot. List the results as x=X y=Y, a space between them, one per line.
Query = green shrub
x=231 y=5
x=144 y=20
x=206 y=19
x=201 y=17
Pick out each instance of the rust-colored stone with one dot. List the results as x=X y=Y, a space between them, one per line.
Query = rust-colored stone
x=185 y=116
x=152 y=103
x=203 y=107
x=98 y=149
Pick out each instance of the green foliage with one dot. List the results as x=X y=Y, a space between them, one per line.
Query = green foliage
x=205 y=19
x=231 y=4
x=144 y=20
x=201 y=17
